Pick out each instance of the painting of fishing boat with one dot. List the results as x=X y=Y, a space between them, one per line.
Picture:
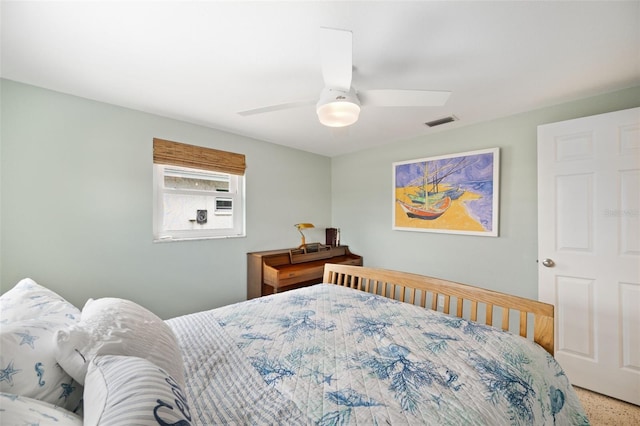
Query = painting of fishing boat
x=456 y=193
x=428 y=213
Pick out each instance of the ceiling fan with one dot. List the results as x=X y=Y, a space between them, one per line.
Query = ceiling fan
x=339 y=103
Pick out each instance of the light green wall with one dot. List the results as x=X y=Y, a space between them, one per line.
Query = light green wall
x=76 y=199
x=76 y=204
x=362 y=201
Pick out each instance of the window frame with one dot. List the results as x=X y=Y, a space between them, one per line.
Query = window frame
x=236 y=193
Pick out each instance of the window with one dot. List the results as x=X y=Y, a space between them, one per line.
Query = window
x=196 y=203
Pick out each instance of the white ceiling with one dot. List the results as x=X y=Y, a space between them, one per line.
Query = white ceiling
x=203 y=62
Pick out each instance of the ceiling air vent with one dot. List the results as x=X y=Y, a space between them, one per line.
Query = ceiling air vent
x=440 y=121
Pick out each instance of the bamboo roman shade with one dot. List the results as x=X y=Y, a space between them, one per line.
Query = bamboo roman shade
x=197 y=157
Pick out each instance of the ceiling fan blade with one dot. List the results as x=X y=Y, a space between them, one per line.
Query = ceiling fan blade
x=277 y=107
x=337 y=58
x=410 y=98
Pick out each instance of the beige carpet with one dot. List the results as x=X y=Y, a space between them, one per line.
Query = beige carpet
x=603 y=410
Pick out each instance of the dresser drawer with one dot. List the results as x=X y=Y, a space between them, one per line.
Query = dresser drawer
x=355 y=261
x=301 y=275
x=282 y=277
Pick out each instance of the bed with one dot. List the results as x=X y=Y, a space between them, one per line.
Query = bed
x=367 y=346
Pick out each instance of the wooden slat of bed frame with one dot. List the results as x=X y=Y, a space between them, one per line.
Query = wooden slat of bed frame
x=398 y=285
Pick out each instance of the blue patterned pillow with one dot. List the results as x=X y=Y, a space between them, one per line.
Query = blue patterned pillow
x=20 y=410
x=28 y=366
x=29 y=300
x=126 y=390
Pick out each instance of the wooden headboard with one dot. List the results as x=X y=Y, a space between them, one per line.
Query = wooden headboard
x=461 y=300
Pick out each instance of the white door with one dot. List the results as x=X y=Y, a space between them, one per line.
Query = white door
x=589 y=248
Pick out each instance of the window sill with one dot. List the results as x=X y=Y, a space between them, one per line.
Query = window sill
x=181 y=239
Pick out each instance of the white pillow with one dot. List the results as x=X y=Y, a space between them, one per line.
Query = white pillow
x=21 y=410
x=28 y=300
x=31 y=315
x=28 y=364
x=123 y=391
x=112 y=326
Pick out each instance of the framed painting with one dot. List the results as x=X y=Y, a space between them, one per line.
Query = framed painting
x=455 y=193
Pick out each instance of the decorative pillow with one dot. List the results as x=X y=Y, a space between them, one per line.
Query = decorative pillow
x=28 y=367
x=112 y=326
x=28 y=300
x=21 y=410
x=123 y=391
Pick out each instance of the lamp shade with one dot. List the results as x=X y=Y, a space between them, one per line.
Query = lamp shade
x=337 y=108
x=304 y=225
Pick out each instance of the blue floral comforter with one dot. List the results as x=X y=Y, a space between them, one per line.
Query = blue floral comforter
x=344 y=356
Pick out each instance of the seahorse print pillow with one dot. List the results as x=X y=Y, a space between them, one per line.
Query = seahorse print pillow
x=28 y=366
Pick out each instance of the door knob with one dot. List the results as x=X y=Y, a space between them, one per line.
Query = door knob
x=548 y=263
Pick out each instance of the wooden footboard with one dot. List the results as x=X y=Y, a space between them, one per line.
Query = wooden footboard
x=452 y=298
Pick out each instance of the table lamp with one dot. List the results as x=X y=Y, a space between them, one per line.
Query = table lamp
x=300 y=227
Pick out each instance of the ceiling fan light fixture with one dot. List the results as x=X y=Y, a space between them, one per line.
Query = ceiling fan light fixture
x=337 y=108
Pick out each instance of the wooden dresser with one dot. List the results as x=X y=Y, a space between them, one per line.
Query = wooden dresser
x=275 y=271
